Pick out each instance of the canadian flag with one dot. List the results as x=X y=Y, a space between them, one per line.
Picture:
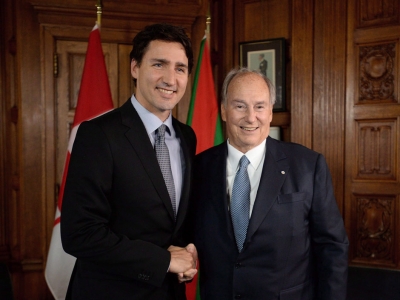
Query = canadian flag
x=94 y=99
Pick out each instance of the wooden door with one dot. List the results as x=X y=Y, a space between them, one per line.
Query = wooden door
x=372 y=190
x=71 y=59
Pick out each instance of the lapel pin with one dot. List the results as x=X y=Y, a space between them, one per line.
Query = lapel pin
x=282 y=172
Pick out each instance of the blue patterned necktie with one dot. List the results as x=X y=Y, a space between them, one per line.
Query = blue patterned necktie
x=240 y=202
x=162 y=154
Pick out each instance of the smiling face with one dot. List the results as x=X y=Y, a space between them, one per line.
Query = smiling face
x=247 y=111
x=161 y=77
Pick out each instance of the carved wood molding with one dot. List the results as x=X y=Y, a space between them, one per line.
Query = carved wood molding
x=375 y=229
x=120 y=15
x=379 y=12
x=376 y=155
x=377 y=73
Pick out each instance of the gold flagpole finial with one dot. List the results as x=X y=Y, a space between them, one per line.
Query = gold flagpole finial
x=99 y=12
x=208 y=24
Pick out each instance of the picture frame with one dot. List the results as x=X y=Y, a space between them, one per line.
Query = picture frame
x=268 y=57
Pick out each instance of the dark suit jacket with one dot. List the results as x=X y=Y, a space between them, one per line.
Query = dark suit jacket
x=296 y=245
x=117 y=217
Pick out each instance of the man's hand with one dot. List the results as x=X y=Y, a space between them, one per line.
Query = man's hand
x=192 y=249
x=188 y=275
x=183 y=262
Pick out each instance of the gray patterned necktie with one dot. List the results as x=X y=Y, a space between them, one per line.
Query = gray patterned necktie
x=240 y=202
x=165 y=165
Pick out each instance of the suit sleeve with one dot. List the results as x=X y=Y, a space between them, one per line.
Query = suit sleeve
x=329 y=237
x=87 y=211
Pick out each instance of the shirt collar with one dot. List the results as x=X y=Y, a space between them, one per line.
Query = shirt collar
x=151 y=122
x=254 y=155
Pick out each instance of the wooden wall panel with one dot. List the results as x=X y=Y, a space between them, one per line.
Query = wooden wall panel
x=266 y=19
x=372 y=182
x=254 y=21
x=329 y=88
x=378 y=69
x=301 y=64
x=4 y=252
x=378 y=12
x=376 y=144
x=375 y=224
x=126 y=85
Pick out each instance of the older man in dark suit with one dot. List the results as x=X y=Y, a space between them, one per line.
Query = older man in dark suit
x=127 y=189
x=267 y=225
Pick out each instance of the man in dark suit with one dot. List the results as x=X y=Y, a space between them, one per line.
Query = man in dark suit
x=267 y=225
x=124 y=207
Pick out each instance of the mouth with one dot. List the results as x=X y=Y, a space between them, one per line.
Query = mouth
x=164 y=91
x=248 y=128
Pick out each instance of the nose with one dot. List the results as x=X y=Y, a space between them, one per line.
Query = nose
x=169 y=76
x=251 y=115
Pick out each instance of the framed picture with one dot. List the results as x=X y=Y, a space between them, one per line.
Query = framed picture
x=267 y=57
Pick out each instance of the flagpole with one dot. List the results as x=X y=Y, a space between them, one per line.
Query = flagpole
x=208 y=23
x=99 y=12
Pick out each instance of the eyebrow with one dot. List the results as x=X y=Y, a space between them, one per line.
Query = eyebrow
x=238 y=101
x=244 y=102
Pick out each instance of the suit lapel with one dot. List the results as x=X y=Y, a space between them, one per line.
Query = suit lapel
x=273 y=175
x=186 y=176
x=139 y=139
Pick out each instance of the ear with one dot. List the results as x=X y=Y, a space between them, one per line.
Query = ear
x=134 y=68
x=223 y=112
x=270 y=116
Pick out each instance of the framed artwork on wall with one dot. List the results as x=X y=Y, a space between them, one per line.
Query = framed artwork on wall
x=267 y=57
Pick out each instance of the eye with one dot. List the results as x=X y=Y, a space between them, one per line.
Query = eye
x=181 y=70
x=259 y=107
x=158 y=65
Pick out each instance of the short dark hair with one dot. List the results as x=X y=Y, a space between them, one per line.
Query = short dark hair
x=161 y=32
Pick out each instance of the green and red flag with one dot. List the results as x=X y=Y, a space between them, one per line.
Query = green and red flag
x=203 y=115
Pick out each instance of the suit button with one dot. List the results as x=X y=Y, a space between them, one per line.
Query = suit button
x=238 y=265
x=238 y=296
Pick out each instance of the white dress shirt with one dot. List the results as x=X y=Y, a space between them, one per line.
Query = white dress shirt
x=256 y=157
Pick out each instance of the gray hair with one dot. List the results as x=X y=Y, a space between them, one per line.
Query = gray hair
x=240 y=72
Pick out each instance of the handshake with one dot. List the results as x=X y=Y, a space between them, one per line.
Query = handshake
x=183 y=262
